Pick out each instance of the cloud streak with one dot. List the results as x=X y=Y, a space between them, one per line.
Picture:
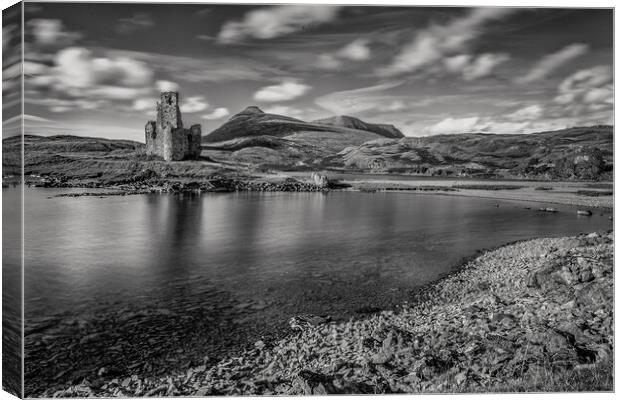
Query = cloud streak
x=356 y=101
x=218 y=113
x=357 y=50
x=453 y=125
x=272 y=22
x=51 y=33
x=215 y=69
x=194 y=104
x=432 y=44
x=287 y=90
x=551 y=62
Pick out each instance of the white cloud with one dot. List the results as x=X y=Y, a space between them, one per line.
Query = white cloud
x=502 y=127
x=592 y=87
x=328 y=61
x=586 y=79
x=80 y=80
x=193 y=104
x=371 y=98
x=527 y=113
x=218 y=113
x=78 y=73
x=483 y=65
x=33 y=68
x=77 y=68
x=436 y=42
x=564 y=98
x=144 y=104
x=553 y=61
x=51 y=32
x=286 y=90
x=271 y=22
x=166 y=86
x=456 y=64
x=357 y=50
x=474 y=67
x=60 y=109
x=600 y=95
x=394 y=105
x=453 y=125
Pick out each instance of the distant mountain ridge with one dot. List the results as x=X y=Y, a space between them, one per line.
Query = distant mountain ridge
x=252 y=121
x=345 y=121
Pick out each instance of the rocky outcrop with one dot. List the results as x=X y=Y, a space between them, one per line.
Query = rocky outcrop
x=252 y=110
x=319 y=180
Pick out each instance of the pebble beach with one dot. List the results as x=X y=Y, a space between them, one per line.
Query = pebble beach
x=535 y=315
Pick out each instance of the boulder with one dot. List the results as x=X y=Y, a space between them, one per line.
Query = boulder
x=304 y=321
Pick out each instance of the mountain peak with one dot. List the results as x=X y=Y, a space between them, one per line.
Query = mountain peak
x=252 y=110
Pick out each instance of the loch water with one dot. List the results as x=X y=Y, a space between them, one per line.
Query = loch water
x=209 y=273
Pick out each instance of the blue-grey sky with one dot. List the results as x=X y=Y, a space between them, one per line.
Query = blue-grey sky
x=96 y=69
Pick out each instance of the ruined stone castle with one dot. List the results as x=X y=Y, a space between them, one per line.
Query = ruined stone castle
x=166 y=136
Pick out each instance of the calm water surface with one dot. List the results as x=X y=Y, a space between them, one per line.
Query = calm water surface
x=85 y=250
x=245 y=261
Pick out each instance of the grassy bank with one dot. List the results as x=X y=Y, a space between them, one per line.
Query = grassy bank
x=531 y=316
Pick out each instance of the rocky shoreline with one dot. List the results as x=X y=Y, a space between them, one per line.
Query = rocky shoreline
x=530 y=316
x=151 y=183
x=148 y=181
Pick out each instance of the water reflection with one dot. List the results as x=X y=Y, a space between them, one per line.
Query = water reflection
x=280 y=246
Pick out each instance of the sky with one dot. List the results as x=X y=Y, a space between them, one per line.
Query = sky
x=97 y=69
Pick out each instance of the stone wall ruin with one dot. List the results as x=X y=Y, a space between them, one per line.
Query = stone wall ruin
x=165 y=137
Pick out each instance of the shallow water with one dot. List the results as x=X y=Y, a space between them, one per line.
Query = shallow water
x=253 y=260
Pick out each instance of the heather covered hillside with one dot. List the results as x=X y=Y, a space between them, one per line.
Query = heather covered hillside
x=55 y=154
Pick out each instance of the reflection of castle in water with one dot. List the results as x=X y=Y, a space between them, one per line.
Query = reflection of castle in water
x=166 y=137
x=178 y=223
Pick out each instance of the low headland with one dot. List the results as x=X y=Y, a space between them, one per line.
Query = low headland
x=531 y=316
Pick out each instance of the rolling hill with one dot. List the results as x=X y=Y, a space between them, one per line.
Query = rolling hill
x=555 y=154
x=252 y=121
x=257 y=141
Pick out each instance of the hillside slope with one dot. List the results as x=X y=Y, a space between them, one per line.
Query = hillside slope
x=555 y=154
x=582 y=153
x=254 y=122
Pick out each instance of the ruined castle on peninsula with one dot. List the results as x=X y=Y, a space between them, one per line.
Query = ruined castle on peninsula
x=166 y=136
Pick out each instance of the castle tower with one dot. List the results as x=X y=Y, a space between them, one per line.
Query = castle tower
x=166 y=136
x=169 y=113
